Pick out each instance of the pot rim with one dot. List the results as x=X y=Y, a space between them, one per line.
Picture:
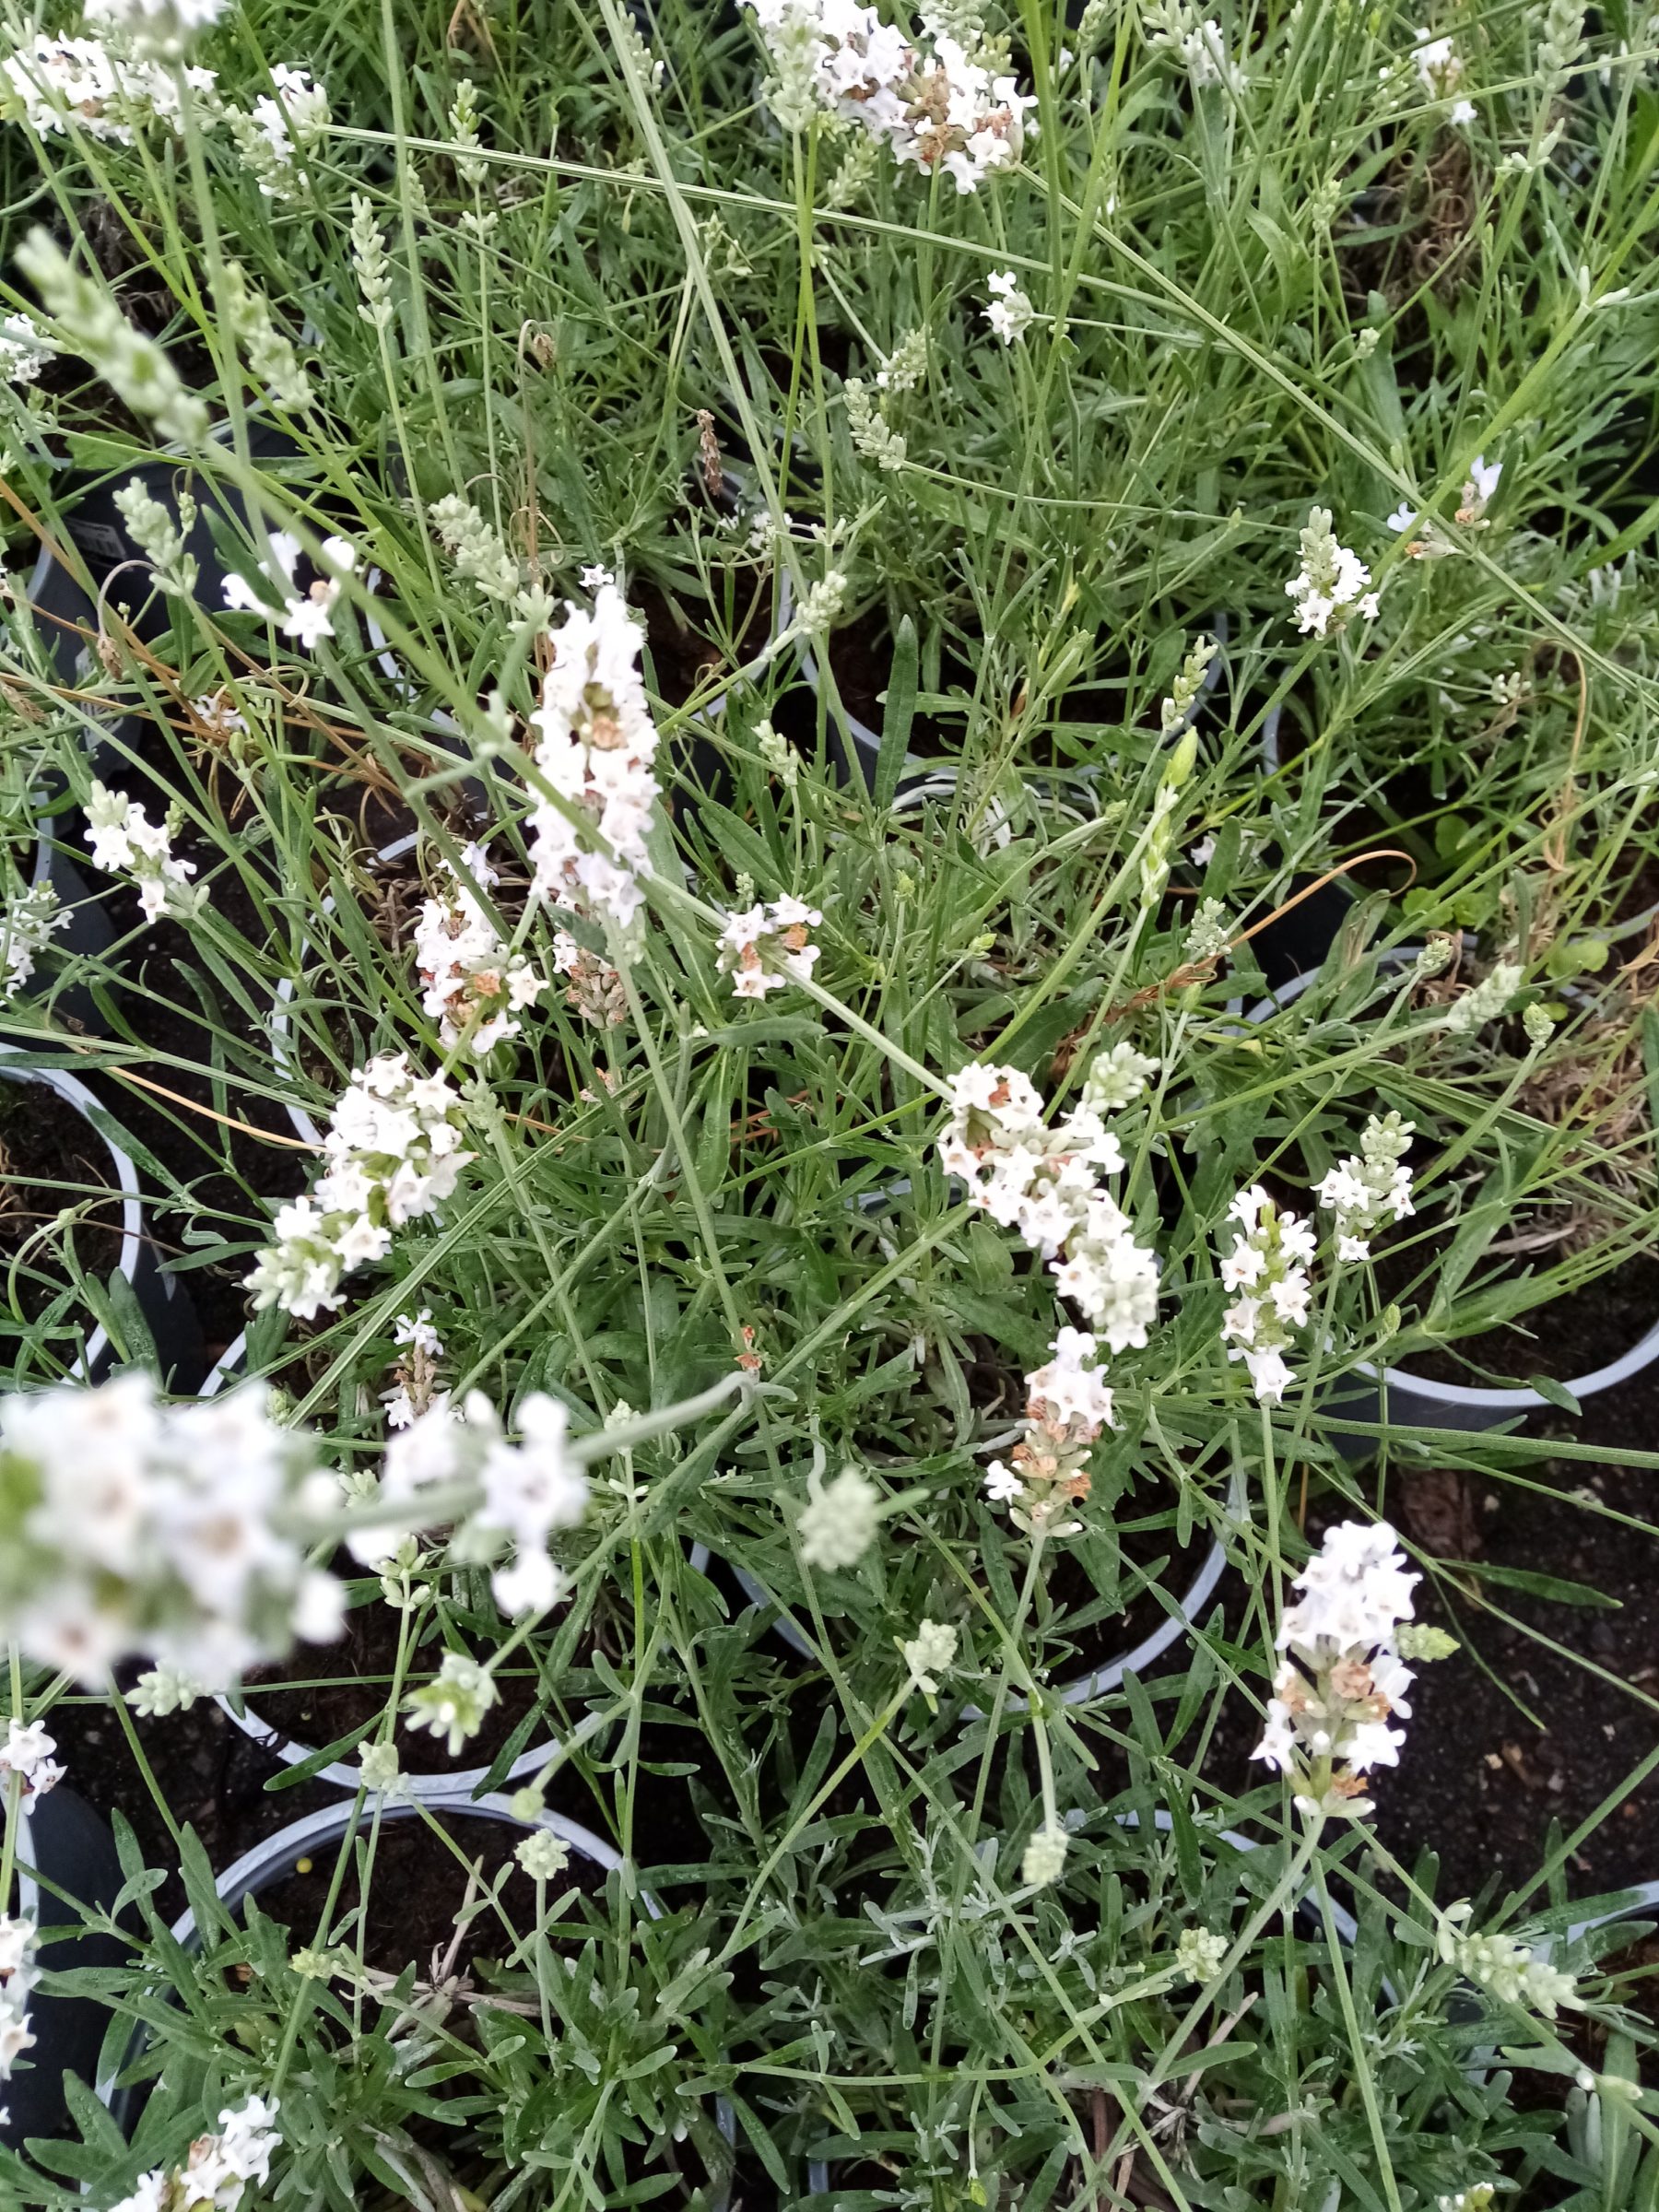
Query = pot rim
x=1095 y=1684
x=1474 y=1397
x=88 y=1106
x=257 y=1866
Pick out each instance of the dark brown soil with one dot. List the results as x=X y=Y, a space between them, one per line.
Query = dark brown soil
x=416 y=1891
x=1567 y=1338
x=1511 y=1736
x=50 y=1159
x=213 y=1778
x=346 y=1686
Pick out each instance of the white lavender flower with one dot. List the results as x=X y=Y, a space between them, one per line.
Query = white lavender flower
x=59 y=84
x=368 y=260
x=471 y=166
x=1514 y=1974
x=930 y=1653
x=454 y=1703
x=595 y=990
x=1479 y=487
x=1342 y=1678
x=24 y=351
x=1176 y=711
x=160 y=535
x=415 y=1372
x=906 y=367
x=394 y=1154
x=161 y=1692
x=283 y=127
x=544 y=1856
x=1045 y=1859
x=472 y=986
x=1045 y=1182
x=272 y=360
x=1209 y=934
x=1269 y=1268
x=1329 y=587
x=1175 y=27
x=821 y=605
x=763 y=946
x=26 y=927
x=1199 y=1953
x=1117 y=1077
x=1440 y=73
x=873 y=435
x=1560 y=45
x=219 y=2167
x=161 y=28
x=380 y=1769
x=596 y=745
x=17 y=1977
x=1068 y=1402
x=306 y=617
x=127 y=842
x=1370 y=1189
x=27 y=1753
x=934 y=102
x=1010 y=313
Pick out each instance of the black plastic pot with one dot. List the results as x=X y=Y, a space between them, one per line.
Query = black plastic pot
x=272 y=1860
x=165 y=1306
x=69 y=1846
x=96 y=524
x=64 y=616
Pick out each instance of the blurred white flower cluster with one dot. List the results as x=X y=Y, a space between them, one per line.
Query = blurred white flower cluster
x=596 y=744
x=473 y=986
x=1342 y=1676
x=17 y=1977
x=1268 y=1266
x=393 y=1153
x=127 y=842
x=528 y=1490
x=129 y=1526
x=1046 y=1183
x=216 y=2169
x=763 y=946
x=1368 y=1190
x=936 y=103
x=54 y=83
